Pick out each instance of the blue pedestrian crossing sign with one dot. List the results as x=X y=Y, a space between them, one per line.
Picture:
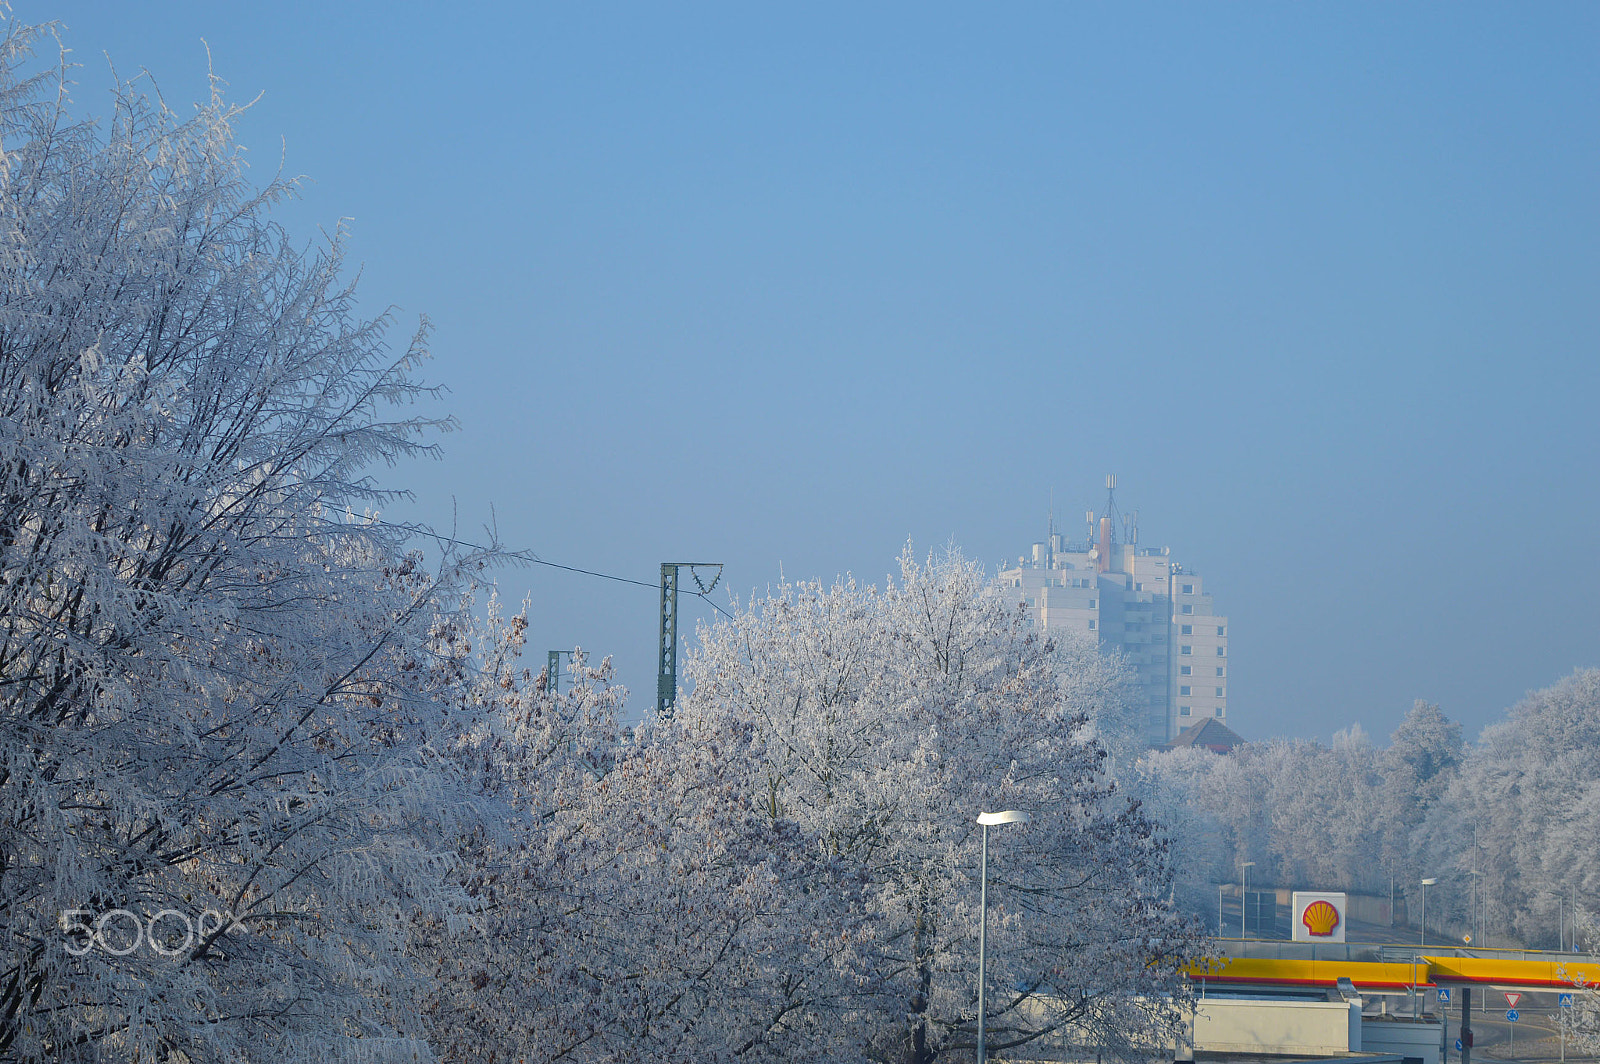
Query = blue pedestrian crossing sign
x=1564 y=1000
x=1444 y=995
x=1511 y=1015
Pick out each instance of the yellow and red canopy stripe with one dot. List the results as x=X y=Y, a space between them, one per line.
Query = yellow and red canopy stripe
x=1433 y=971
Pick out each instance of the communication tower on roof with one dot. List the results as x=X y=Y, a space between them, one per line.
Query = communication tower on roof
x=1050 y=533
x=1111 y=504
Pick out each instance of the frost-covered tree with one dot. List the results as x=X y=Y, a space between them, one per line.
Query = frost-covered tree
x=633 y=900
x=880 y=722
x=1304 y=813
x=1528 y=794
x=496 y=992
x=1328 y=817
x=1583 y=1018
x=1178 y=789
x=1424 y=754
x=1329 y=827
x=215 y=682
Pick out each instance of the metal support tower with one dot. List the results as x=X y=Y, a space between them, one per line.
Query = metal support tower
x=553 y=670
x=667 y=657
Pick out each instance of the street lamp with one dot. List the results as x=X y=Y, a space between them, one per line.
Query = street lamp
x=1009 y=816
x=1426 y=883
x=1244 y=871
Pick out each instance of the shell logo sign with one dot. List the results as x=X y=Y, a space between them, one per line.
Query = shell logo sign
x=1319 y=916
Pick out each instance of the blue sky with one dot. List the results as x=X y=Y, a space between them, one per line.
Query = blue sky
x=785 y=289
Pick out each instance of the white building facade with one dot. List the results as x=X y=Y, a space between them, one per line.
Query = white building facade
x=1136 y=601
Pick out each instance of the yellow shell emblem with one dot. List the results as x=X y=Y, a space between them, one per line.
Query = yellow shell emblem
x=1320 y=918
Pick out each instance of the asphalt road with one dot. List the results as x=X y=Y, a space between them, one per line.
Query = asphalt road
x=1536 y=1036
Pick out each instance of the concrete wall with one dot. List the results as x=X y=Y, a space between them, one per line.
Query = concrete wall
x=1373 y=909
x=1304 y=1028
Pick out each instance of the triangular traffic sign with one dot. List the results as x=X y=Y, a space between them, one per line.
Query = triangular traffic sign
x=1512 y=998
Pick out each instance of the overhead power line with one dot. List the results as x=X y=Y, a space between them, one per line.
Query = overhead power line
x=529 y=556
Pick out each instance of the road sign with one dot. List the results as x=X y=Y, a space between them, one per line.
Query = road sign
x=1511 y=1015
x=1512 y=997
x=1444 y=995
x=1467 y=939
x=1564 y=1000
x=1458 y=1045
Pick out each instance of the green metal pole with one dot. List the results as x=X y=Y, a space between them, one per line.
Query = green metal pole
x=667 y=658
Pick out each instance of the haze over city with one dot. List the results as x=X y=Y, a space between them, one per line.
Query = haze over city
x=787 y=290
x=1119 y=480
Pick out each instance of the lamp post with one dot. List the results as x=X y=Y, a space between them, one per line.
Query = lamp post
x=1244 y=872
x=1009 y=816
x=1426 y=883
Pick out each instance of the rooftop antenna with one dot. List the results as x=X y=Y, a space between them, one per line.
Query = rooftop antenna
x=1111 y=504
x=1088 y=519
x=1050 y=532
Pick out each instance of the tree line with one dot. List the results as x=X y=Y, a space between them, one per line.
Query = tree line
x=1507 y=825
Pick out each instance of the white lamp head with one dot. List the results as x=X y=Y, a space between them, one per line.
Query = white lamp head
x=1009 y=816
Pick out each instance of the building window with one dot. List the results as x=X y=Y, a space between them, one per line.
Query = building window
x=1188 y=589
x=1091 y=603
x=1187 y=629
x=1186 y=649
x=1222 y=629
x=1183 y=690
x=1222 y=652
x=1219 y=711
x=1138 y=587
x=1221 y=671
x=1219 y=692
x=1183 y=711
x=1091 y=624
x=1185 y=670
x=1188 y=608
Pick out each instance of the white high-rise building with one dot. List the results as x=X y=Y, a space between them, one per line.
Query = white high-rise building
x=1135 y=600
